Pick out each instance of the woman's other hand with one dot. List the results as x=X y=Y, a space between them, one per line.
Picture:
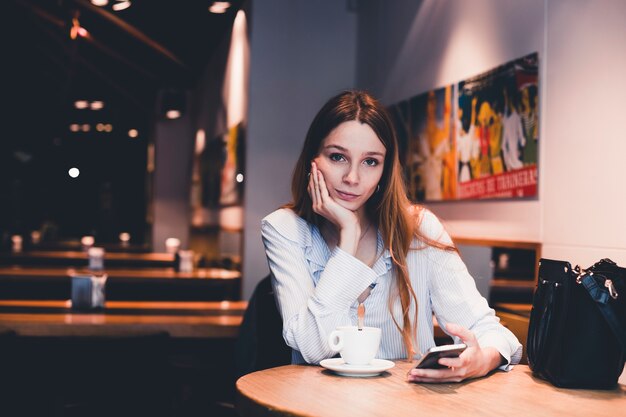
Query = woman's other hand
x=474 y=362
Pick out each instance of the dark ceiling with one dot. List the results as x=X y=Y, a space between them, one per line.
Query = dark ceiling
x=126 y=59
x=129 y=54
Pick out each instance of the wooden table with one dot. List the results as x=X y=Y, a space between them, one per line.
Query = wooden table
x=300 y=390
x=180 y=319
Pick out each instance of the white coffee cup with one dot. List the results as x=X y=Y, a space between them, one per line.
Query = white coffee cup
x=172 y=245
x=357 y=347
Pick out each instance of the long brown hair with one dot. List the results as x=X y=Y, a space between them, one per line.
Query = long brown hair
x=389 y=207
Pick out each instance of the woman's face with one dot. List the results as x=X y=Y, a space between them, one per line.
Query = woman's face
x=351 y=158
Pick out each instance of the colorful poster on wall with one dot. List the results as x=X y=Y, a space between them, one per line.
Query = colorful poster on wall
x=476 y=140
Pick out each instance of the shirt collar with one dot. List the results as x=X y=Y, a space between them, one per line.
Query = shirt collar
x=318 y=257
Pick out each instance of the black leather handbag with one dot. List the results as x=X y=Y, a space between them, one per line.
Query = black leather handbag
x=577 y=330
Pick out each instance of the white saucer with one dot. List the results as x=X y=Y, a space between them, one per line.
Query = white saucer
x=340 y=367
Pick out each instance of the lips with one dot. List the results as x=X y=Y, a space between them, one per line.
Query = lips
x=347 y=196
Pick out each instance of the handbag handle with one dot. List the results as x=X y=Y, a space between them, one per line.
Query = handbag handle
x=601 y=297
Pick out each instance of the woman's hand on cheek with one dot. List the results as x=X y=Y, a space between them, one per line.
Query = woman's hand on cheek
x=474 y=362
x=323 y=204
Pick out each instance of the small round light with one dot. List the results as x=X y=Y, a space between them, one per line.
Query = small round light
x=74 y=127
x=73 y=172
x=96 y=105
x=108 y=127
x=133 y=133
x=122 y=5
x=81 y=104
x=85 y=128
x=172 y=114
x=219 y=7
x=100 y=127
x=100 y=3
x=239 y=177
x=87 y=241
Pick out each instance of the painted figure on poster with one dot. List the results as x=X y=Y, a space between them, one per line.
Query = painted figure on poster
x=484 y=134
x=529 y=122
x=467 y=146
x=513 y=134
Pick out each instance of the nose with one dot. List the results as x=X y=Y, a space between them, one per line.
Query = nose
x=351 y=176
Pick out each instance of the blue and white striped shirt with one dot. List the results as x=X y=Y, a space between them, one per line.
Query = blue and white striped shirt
x=317 y=291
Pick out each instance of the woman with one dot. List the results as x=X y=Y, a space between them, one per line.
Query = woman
x=351 y=236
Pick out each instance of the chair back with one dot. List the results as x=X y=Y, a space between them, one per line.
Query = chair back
x=260 y=344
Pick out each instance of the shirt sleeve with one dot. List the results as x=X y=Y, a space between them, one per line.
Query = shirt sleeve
x=310 y=313
x=455 y=298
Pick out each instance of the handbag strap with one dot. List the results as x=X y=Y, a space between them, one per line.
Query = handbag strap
x=601 y=297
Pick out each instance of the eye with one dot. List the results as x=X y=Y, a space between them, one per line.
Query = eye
x=371 y=162
x=336 y=157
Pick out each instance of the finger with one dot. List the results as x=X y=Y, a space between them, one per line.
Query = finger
x=436 y=375
x=461 y=332
x=315 y=175
x=433 y=373
x=323 y=189
x=452 y=362
x=311 y=190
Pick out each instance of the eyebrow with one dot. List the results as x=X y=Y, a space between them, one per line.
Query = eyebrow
x=342 y=149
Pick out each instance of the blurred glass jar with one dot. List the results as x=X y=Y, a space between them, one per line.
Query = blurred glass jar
x=185 y=261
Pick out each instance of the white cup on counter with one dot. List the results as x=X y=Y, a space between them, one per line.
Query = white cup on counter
x=172 y=245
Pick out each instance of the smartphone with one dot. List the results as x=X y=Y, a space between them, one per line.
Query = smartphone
x=431 y=359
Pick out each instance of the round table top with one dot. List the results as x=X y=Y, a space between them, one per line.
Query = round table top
x=302 y=390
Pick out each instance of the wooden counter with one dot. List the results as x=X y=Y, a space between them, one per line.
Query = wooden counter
x=180 y=319
x=141 y=284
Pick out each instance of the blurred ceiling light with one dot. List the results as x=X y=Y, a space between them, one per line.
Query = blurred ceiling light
x=73 y=172
x=81 y=104
x=108 y=127
x=74 y=127
x=200 y=141
x=172 y=103
x=172 y=114
x=124 y=237
x=121 y=5
x=85 y=128
x=87 y=241
x=100 y=3
x=133 y=133
x=96 y=105
x=100 y=127
x=239 y=177
x=219 y=7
